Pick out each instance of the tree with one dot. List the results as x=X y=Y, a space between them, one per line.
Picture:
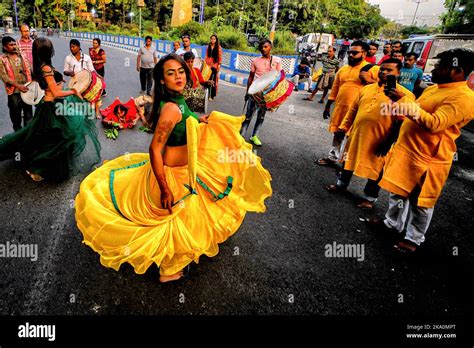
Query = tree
x=459 y=18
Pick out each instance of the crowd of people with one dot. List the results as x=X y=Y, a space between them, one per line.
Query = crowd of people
x=185 y=202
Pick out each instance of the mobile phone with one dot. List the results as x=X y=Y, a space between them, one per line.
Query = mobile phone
x=391 y=82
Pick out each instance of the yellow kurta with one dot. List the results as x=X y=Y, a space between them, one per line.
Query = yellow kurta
x=345 y=90
x=369 y=122
x=425 y=148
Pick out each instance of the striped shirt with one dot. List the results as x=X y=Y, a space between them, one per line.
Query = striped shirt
x=330 y=65
x=26 y=46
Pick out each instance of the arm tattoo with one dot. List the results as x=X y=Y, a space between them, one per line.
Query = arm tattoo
x=162 y=182
x=164 y=130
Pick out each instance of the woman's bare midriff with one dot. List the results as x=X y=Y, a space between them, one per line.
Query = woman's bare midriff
x=48 y=95
x=175 y=156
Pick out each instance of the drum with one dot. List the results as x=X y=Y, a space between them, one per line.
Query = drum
x=34 y=94
x=196 y=99
x=206 y=71
x=271 y=89
x=89 y=84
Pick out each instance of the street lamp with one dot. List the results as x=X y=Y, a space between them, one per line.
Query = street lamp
x=131 y=14
x=93 y=12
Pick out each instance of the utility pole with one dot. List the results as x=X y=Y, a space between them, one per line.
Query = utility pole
x=416 y=10
x=268 y=13
x=274 y=20
x=240 y=18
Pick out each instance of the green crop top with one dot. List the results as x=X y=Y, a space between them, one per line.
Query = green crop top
x=178 y=135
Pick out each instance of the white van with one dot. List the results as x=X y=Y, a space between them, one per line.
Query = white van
x=427 y=47
x=312 y=40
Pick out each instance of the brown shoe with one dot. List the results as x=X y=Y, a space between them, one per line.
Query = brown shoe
x=335 y=189
x=366 y=205
x=405 y=247
x=325 y=162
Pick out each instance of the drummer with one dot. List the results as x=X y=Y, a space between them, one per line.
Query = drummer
x=259 y=66
x=15 y=71
x=77 y=60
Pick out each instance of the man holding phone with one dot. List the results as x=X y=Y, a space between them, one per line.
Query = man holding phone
x=421 y=159
x=373 y=130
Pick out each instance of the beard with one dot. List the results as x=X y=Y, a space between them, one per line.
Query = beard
x=354 y=61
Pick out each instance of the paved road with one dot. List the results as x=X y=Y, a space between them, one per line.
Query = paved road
x=281 y=266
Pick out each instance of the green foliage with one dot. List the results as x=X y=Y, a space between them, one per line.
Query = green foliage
x=284 y=43
x=459 y=18
x=413 y=29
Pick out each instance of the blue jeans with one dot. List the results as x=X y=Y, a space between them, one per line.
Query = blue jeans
x=251 y=107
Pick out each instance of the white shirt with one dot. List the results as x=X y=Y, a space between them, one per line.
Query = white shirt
x=74 y=65
x=183 y=51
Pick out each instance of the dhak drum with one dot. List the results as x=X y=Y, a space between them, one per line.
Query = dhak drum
x=270 y=90
x=89 y=84
x=34 y=94
x=206 y=71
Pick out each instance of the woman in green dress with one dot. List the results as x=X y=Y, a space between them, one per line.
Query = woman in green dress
x=61 y=140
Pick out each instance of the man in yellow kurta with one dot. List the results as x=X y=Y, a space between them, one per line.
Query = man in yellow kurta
x=372 y=132
x=348 y=82
x=419 y=163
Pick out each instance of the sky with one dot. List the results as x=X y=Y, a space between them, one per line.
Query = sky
x=402 y=11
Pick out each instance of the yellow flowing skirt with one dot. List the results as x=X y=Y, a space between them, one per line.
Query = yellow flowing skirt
x=118 y=207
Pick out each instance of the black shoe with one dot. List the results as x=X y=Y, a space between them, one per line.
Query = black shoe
x=310 y=90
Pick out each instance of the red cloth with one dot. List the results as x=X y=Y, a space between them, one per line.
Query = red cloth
x=96 y=56
x=108 y=116
x=372 y=59
x=197 y=78
x=383 y=59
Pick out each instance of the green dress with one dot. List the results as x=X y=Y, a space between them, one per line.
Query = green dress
x=59 y=142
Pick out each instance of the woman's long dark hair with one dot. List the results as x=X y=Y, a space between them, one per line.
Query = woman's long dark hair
x=43 y=52
x=160 y=92
x=213 y=52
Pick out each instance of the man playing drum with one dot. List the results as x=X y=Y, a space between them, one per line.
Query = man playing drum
x=78 y=61
x=259 y=66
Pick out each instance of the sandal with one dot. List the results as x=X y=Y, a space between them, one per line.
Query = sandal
x=321 y=101
x=366 y=205
x=335 y=189
x=35 y=177
x=325 y=161
x=307 y=98
x=406 y=247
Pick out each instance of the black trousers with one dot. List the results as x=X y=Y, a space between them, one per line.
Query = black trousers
x=17 y=106
x=371 y=188
x=101 y=72
x=213 y=89
x=146 y=79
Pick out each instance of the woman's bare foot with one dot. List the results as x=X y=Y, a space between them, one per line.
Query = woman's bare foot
x=176 y=276
x=35 y=177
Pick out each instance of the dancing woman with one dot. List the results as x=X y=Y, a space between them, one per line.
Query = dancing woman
x=61 y=139
x=188 y=194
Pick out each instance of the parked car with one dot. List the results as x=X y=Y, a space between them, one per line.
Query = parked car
x=429 y=46
x=253 y=40
x=311 y=40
